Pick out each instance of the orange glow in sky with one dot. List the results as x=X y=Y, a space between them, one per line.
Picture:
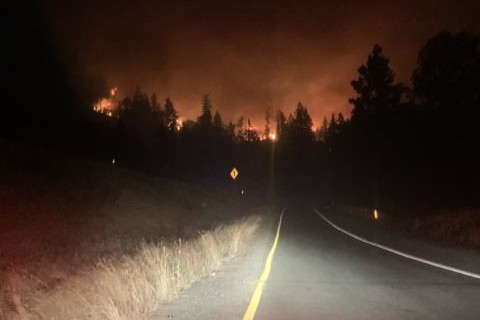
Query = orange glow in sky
x=250 y=56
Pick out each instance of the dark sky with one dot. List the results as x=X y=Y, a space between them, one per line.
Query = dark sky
x=250 y=55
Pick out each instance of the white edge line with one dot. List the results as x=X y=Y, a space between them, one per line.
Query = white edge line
x=405 y=255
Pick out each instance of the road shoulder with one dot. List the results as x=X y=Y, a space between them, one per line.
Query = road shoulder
x=396 y=238
x=225 y=294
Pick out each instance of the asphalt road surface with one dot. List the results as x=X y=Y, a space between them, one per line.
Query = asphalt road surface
x=320 y=273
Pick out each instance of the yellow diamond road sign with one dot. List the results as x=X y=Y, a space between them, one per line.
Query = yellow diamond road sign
x=234 y=173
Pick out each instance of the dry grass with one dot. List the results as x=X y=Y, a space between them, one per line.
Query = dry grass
x=134 y=286
x=79 y=240
x=451 y=227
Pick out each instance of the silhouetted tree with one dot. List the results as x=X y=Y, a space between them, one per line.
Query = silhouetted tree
x=241 y=131
x=333 y=126
x=375 y=85
x=157 y=112
x=171 y=115
x=299 y=125
x=140 y=102
x=446 y=83
x=323 y=132
x=268 y=120
x=139 y=131
x=251 y=135
x=217 y=120
x=281 y=123
x=231 y=129
x=154 y=105
x=333 y=123
x=188 y=126
x=340 y=119
x=373 y=126
x=205 y=119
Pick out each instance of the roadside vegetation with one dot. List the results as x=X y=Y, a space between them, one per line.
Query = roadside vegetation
x=447 y=228
x=454 y=228
x=79 y=240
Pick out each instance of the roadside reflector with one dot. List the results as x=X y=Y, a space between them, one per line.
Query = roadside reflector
x=375 y=214
x=234 y=173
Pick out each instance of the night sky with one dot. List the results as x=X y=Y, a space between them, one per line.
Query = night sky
x=250 y=55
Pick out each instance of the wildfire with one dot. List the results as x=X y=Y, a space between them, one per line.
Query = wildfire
x=179 y=123
x=272 y=136
x=106 y=106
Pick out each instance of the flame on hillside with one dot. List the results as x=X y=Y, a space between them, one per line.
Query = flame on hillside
x=179 y=123
x=107 y=105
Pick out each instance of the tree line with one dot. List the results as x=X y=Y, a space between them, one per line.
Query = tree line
x=405 y=146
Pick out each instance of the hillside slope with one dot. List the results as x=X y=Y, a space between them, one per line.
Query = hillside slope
x=64 y=218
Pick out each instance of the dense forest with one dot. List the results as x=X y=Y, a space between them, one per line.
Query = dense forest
x=405 y=146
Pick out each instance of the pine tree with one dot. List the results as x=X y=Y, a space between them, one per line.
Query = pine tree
x=154 y=102
x=299 y=125
x=240 y=129
x=249 y=130
x=446 y=85
x=333 y=125
x=281 y=123
x=140 y=101
x=171 y=115
x=217 y=120
x=268 y=120
x=340 y=119
x=303 y=121
x=205 y=119
x=231 y=129
x=375 y=85
x=324 y=129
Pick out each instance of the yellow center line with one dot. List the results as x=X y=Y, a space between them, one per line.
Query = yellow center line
x=257 y=294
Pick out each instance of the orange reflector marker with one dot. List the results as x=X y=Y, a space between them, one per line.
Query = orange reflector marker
x=375 y=214
x=234 y=173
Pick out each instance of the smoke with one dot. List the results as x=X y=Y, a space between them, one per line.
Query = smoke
x=251 y=55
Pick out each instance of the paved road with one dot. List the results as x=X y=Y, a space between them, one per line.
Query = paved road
x=319 y=273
